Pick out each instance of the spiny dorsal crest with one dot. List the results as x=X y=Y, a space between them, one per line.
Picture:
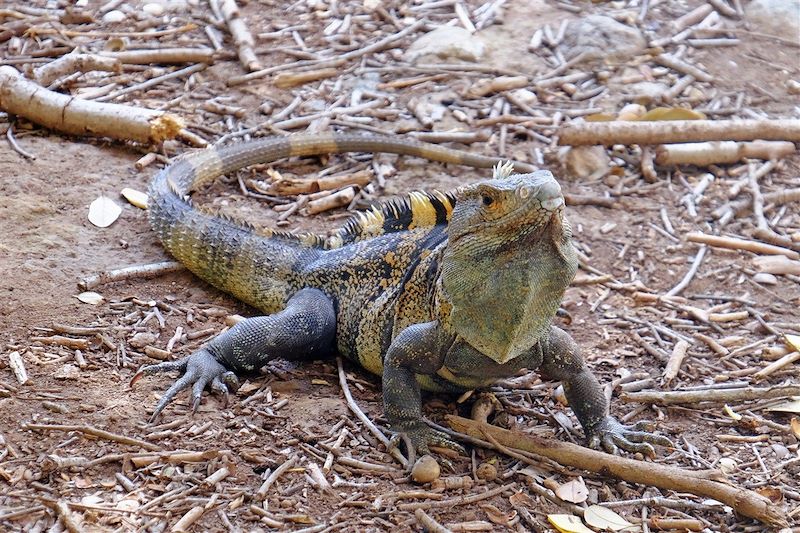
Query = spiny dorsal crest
x=417 y=210
x=502 y=170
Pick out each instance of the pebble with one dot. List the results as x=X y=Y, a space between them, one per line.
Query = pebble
x=425 y=470
x=114 y=16
x=765 y=278
x=602 y=37
x=727 y=465
x=780 y=451
x=581 y=162
x=67 y=372
x=153 y=9
x=142 y=339
x=447 y=42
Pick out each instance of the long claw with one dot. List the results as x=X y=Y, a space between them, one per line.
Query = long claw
x=183 y=382
x=219 y=387
x=147 y=370
x=613 y=437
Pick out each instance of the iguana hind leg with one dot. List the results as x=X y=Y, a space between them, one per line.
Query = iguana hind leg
x=305 y=328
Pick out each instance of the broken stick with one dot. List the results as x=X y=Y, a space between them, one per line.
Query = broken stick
x=74 y=116
x=677 y=131
x=743 y=501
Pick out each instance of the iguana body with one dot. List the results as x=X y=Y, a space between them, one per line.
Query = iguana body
x=440 y=291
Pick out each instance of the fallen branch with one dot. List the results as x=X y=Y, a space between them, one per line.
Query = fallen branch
x=711 y=395
x=743 y=501
x=716 y=152
x=95 y=432
x=74 y=116
x=138 y=271
x=734 y=243
x=241 y=35
x=74 y=62
x=677 y=131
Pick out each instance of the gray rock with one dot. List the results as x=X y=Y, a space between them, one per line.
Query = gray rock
x=778 y=17
x=599 y=36
x=647 y=92
x=447 y=42
x=142 y=339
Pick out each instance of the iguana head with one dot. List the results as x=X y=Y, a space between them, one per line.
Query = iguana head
x=508 y=260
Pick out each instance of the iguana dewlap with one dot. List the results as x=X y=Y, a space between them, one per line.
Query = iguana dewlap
x=445 y=292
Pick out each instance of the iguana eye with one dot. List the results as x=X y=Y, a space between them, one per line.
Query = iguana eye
x=487 y=200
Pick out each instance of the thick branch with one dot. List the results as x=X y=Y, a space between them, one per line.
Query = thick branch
x=678 y=131
x=743 y=501
x=67 y=114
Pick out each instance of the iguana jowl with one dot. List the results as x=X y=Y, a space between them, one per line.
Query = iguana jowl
x=445 y=292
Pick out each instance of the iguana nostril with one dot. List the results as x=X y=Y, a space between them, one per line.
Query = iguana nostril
x=549 y=195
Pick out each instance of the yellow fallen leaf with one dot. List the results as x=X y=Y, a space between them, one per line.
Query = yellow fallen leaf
x=672 y=113
x=137 y=198
x=567 y=523
x=103 y=212
x=793 y=341
x=604 y=518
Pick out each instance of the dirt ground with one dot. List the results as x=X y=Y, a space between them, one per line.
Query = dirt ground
x=298 y=411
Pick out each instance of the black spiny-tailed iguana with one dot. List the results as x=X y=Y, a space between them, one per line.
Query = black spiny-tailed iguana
x=444 y=292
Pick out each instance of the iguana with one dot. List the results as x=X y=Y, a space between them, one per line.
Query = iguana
x=437 y=291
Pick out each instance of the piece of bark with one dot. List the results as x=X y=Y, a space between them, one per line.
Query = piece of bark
x=64 y=113
x=241 y=35
x=703 y=483
x=74 y=62
x=678 y=131
x=777 y=264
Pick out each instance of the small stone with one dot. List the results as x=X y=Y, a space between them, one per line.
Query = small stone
x=727 y=465
x=67 y=372
x=153 y=9
x=142 y=339
x=486 y=472
x=793 y=86
x=602 y=37
x=780 y=451
x=776 y=17
x=647 y=92
x=114 y=16
x=447 y=42
x=581 y=162
x=425 y=470
x=765 y=278
x=632 y=112
x=525 y=96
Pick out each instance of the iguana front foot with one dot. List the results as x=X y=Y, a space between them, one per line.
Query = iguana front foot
x=421 y=437
x=612 y=436
x=200 y=369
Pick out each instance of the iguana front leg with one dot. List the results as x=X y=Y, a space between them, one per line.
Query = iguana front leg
x=562 y=361
x=418 y=349
x=305 y=327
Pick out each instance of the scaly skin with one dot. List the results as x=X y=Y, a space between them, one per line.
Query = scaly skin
x=445 y=292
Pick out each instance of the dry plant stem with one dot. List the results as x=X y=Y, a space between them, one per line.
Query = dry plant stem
x=683 y=67
x=716 y=152
x=675 y=361
x=429 y=523
x=163 y=56
x=63 y=113
x=698 y=259
x=241 y=35
x=364 y=419
x=93 y=431
x=743 y=501
x=73 y=62
x=713 y=395
x=734 y=243
x=323 y=63
x=773 y=367
x=148 y=271
x=187 y=520
x=777 y=264
x=678 y=131
x=460 y=500
x=264 y=489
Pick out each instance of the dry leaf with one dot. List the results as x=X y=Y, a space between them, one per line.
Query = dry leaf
x=604 y=518
x=319 y=382
x=497 y=516
x=672 y=113
x=773 y=494
x=793 y=341
x=574 y=491
x=567 y=523
x=795 y=425
x=731 y=413
x=103 y=212
x=137 y=198
x=90 y=297
x=791 y=406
